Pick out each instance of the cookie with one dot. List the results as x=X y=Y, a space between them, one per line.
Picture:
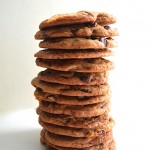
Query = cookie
x=78 y=17
x=71 y=90
x=105 y=19
x=73 y=54
x=75 y=111
x=78 y=43
x=76 y=65
x=73 y=142
x=71 y=100
x=101 y=121
x=75 y=132
x=109 y=145
x=80 y=30
x=73 y=78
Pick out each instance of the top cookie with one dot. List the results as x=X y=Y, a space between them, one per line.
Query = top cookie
x=78 y=17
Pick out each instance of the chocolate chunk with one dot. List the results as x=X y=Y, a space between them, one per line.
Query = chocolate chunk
x=102 y=132
x=68 y=120
x=107 y=27
x=103 y=40
x=102 y=105
x=82 y=98
x=86 y=78
x=93 y=24
x=89 y=60
x=86 y=90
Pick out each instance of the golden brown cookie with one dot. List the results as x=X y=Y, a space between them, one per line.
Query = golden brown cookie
x=78 y=43
x=75 y=122
x=71 y=100
x=80 y=30
x=73 y=54
x=71 y=90
x=76 y=132
x=73 y=142
x=78 y=17
x=73 y=78
x=76 y=65
x=75 y=110
x=109 y=145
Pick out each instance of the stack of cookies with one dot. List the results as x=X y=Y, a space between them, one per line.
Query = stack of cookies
x=73 y=92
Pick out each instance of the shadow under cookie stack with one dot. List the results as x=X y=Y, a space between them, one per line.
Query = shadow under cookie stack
x=73 y=92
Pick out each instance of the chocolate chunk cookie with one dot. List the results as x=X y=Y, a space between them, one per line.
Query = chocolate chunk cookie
x=75 y=111
x=78 y=43
x=73 y=78
x=76 y=132
x=79 y=30
x=73 y=54
x=109 y=145
x=79 y=17
x=76 y=65
x=73 y=142
x=71 y=100
x=101 y=121
x=71 y=90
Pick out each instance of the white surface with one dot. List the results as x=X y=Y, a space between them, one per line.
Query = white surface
x=20 y=131
x=130 y=81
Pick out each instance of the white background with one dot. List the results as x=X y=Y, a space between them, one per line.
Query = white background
x=130 y=81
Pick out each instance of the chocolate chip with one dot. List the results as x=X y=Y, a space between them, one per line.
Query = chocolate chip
x=86 y=90
x=55 y=40
x=89 y=60
x=93 y=24
x=103 y=40
x=102 y=105
x=86 y=78
x=68 y=120
x=82 y=98
x=101 y=132
x=107 y=27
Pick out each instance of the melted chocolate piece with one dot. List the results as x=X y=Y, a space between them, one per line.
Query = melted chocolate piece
x=102 y=132
x=82 y=98
x=89 y=60
x=103 y=40
x=102 y=105
x=86 y=78
x=86 y=90
x=68 y=120
x=107 y=27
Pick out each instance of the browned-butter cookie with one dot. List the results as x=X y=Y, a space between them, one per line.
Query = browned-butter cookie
x=73 y=54
x=73 y=142
x=101 y=121
x=73 y=78
x=78 y=17
x=76 y=65
x=75 y=110
x=80 y=30
x=76 y=132
x=71 y=90
x=78 y=43
x=109 y=145
x=71 y=100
